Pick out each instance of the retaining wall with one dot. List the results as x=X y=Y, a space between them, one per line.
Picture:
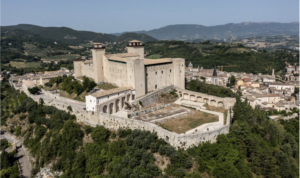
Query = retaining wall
x=152 y=97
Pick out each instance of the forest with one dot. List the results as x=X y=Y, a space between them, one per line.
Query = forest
x=209 y=55
x=255 y=146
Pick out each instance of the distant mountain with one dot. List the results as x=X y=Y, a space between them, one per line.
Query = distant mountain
x=129 y=36
x=71 y=36
x=227 y=31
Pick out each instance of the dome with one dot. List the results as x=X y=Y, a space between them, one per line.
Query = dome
x=190 y=64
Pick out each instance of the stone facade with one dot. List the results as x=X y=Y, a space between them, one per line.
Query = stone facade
x=131 y=69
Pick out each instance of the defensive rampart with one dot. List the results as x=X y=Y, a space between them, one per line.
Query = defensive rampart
x=183 y=141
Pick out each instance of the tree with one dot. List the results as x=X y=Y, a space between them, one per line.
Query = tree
x=100 y=134
x=33 y=90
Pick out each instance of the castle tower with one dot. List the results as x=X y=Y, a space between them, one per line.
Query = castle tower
x=98 y=51
x=136 y=46
x=136 y=68
x=77 y=67
x=273 y=74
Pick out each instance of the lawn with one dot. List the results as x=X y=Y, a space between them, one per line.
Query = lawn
x=24 y=64
x=217 y=109
x=183 y=124
x=73 y=96
x=106 y=86
x=61 y=57
x=153 y=56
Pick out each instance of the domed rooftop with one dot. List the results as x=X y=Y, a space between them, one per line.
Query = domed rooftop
x=190 y=64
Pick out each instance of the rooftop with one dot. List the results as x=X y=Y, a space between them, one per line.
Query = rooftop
x=109 y=92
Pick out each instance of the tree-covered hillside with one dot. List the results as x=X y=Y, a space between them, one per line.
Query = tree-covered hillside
x=75 y=37
x=208 y=55
x=255 y=147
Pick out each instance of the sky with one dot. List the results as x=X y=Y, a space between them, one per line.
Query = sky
x=112 y=16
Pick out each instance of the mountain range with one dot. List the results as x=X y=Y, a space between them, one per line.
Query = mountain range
x=170 y=32
x=227 y=31
x=71 y=36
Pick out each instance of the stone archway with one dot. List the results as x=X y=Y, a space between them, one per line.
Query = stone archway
x=117 y=105
x=104 y=109
x=128 y=97
x=111 y=108
x=123 y=102
x=192 y=98
x=205 y=100
x=199 y=99
x=221 y=104
x=186 y=96
x=213 y=103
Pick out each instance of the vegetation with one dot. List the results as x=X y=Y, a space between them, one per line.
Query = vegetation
x=9 y=167
x=33 y=90
x=256 y=145
x=71 y=85
x=210 y=89
x=209 y=55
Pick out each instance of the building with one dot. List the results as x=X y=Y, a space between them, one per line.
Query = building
x=282 y=86
x=131 y=69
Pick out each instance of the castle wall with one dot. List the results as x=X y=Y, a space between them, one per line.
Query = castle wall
x=98 y=64
x=158 y=76
x=115 y=72
x=152 y=97
x=87 y=70
x=177 y=140
x=77 y=68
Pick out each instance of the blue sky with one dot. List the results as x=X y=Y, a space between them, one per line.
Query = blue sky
x=112 y=16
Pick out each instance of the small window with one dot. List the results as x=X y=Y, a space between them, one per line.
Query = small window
x=162 y=72
x=146 y=74
x=155 y=73
x=90 y=100
x=155 y=86
x=170 y=70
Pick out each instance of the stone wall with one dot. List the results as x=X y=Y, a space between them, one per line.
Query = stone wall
x=60 y=98
x=152 y=97
x=183 y=141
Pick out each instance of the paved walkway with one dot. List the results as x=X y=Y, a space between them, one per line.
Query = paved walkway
x=22 y=154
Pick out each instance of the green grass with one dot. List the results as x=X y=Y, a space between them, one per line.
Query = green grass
x=24 y=64
x=32 y=49
x=106 y=86
x=62 y=57
x=154 y=56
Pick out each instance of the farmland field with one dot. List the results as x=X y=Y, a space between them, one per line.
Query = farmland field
x=24 y=64
x=61 y=57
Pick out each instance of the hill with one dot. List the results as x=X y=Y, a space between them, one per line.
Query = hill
x=221 y=32
x=71 y=36
x=130 y=36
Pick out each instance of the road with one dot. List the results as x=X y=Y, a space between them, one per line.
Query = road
x=23 y=157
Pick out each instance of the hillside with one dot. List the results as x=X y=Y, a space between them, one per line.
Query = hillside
x=255 y=147
x=221 y=32
x=130 y=36
x=208 y=55
x=71 y=36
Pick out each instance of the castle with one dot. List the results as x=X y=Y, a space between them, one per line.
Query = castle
x=132 y=69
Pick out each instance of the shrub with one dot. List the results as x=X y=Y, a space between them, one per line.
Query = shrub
x=69 y=108
x=33 y=90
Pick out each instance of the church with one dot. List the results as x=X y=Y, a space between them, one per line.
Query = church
x=131 y=69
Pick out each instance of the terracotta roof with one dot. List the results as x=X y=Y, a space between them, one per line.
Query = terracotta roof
x=157 y=61
x=88 y=61
x=279 y=83
x=109 y=92
x=121 y=56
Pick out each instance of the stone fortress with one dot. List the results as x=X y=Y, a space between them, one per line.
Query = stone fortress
x=132 y=69
x=141 y=84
